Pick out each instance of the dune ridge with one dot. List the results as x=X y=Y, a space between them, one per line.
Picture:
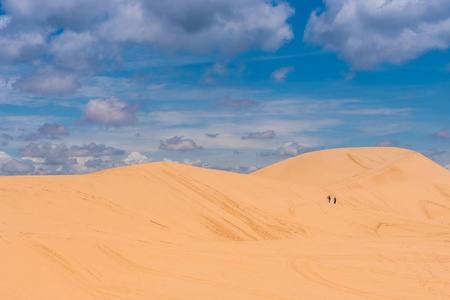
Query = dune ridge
x=171 y=231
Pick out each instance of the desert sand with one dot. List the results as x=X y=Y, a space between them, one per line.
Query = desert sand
x=171 y=231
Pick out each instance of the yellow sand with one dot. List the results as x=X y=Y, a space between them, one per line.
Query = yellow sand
x=170 y=231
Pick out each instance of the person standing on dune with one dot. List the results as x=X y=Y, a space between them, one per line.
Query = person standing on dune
x=334 y=200
x=329 y=198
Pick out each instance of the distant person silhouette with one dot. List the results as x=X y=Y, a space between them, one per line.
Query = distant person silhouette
x=329 y=198
x=334 y=200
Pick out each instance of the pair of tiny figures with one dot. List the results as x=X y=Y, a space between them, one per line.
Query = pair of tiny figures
x=329 y=199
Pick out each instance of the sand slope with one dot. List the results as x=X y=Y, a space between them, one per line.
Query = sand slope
x=170 y=231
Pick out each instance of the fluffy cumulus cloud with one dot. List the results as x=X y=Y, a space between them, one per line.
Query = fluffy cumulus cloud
x=136 y=158
x=368 y=33
x=110 y=111
x=226 y=102
x=178 y=144
x=48 y=158
x=195 y=163
x=49 y=131
x=281 y=74
x=291 y=149
x=442 y=134
x=78 y=34
x=21 y=46
x=388 y=143
x=225 y=25
x=260 y=135
x=78 y=51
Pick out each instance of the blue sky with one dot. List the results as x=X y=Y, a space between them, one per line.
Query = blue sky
x=225 y=84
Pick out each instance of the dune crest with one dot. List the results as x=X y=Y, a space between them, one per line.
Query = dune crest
x=165 y=230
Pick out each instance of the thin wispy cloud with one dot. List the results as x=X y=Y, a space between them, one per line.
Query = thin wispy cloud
x=269 y=134
x=388 y=143
x=281 y=74
x=5 y=138
x=243 y=104
x=432 y=153
x=441 y=134
x=48 y=131
x=48 y=81
x=374 y=111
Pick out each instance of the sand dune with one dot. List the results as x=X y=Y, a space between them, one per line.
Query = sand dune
x=170 y=231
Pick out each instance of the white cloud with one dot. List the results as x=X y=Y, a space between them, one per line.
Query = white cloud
x=48 y=81
x=136 y=158
x=110 y=111
x=79 y=14
x=368 y=33
x=291 y=149
x=252 y=169
x=76 y=51
x=77 y=37
x=195 y=163
x=4 y=158
x=165 y=159
x=227 y=26
x=48 y=158
x=17 y=167
x=6 y=83
x=4 y=21
x=22 y=45
x=61 y=154
x=280 y=74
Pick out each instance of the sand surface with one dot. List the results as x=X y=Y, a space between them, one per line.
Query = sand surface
x=171 y=231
